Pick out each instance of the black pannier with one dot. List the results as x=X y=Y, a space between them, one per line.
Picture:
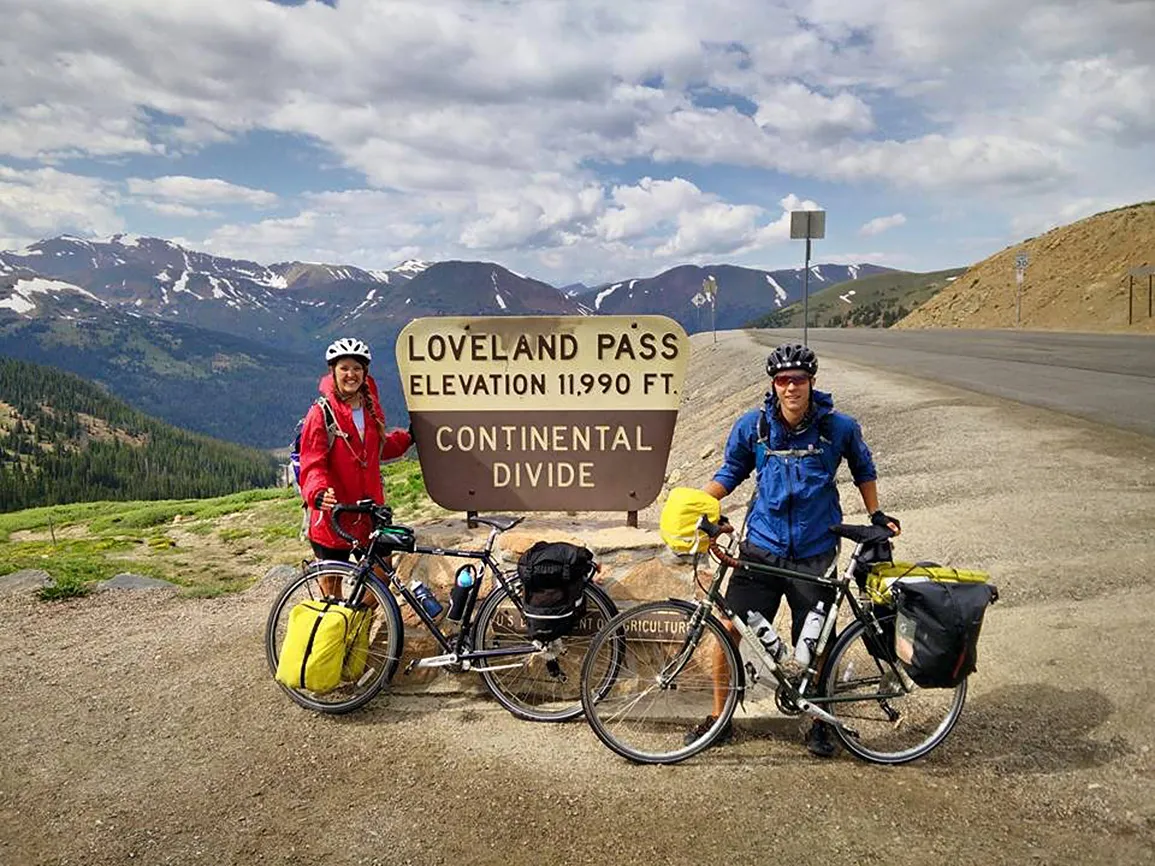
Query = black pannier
x=553 y=577
x=937 y=629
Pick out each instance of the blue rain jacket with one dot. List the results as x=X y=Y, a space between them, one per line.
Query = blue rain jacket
x=797 y=495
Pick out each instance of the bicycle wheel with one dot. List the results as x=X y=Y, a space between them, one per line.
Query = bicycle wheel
x=540 y=686
x=893 y=726
x=377 y=651
x=665 y=682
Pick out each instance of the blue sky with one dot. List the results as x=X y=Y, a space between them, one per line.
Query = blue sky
x=571 y=141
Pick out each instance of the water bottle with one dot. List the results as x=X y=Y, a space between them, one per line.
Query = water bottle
x=764 y=631
x=426 y=597
x=808 y=639
x=463 y=588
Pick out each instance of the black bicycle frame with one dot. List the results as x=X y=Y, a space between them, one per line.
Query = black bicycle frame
x=841 y=586
x=374 y=558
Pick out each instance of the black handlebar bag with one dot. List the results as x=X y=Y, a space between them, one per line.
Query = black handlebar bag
x=936 y=630
x=553 y=577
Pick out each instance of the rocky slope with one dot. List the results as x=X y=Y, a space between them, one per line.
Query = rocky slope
x=1076 y=280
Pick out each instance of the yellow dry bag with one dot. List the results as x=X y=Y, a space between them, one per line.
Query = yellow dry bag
x=319 y=635
x=679 y=522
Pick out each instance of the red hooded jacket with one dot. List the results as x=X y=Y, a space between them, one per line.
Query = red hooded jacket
x=352 y=466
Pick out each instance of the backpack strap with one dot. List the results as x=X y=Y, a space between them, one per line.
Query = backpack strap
x=331 y=426
x=824 y=429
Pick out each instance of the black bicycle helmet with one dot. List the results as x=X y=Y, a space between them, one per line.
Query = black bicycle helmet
x=792 y=356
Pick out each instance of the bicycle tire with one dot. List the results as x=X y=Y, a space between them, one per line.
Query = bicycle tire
x=642 y=719
x=899 y=728
x=383 y=646
x=544 y=686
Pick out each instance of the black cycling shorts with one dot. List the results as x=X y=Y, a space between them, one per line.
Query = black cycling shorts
x=337 y=553
x=748 y=591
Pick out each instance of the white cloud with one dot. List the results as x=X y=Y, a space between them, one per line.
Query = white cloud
x=199 y=190
x=44 y=202
x=569 y=133
x=878 y=225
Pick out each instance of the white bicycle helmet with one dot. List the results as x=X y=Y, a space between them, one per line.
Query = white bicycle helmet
x=348 y=347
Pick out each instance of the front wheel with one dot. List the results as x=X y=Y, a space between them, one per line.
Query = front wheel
x=372 y=651
x=667 y=680
x=893 y=726
x=540 y=686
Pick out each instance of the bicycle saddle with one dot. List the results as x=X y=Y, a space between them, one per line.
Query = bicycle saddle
x=499 y=522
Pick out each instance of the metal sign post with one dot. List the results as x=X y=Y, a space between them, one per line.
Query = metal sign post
x=1021 y=262
x=811 y=225
x=710 y=290
x=1147 y=271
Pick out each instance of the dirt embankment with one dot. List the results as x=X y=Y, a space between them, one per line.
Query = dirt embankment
x=142 y=728
x=1076 y=280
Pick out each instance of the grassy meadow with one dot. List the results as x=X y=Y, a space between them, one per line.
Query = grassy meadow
x=206 y=546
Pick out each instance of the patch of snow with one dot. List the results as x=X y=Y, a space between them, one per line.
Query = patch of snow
x=181 y=285
x=780 y=294
x=632 y=284
x=138 y=303
x=380 y=276
x=814 y=269
x=500 y=300
x=163 y=277
x=853 y=270
x=605 y=293
x=411 y=266
x=28 y=251
x=20 y=301
x=951 y=279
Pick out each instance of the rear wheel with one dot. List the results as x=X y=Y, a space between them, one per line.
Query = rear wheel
x=540 y=686
x=373 y=650
x=653 y=710
x=893 y=725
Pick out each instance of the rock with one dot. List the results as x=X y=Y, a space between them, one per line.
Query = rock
x=279 y=575
x=25 y=579
x=127 y=580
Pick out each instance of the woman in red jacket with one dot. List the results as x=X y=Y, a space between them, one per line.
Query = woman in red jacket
x=342 y=449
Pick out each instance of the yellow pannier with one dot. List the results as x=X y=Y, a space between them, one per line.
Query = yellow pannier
x=319 y=637
x=679 y=522
x=882 y=576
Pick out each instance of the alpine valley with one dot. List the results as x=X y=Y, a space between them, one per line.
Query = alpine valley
x=231 y=348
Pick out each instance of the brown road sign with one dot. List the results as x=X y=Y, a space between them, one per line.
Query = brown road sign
x=538 y=413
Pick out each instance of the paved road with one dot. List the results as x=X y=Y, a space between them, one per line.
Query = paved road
x=1109 y=378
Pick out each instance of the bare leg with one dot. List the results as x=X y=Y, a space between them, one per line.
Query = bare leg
x=721 y=686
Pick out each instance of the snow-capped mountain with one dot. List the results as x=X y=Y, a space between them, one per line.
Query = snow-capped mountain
x=286 y=304
x=148 y=317
x=743 y=293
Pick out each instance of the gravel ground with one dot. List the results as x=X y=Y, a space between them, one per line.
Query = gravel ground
x=143 y=728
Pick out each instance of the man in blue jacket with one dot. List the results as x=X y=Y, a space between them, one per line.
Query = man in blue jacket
x=795 y=443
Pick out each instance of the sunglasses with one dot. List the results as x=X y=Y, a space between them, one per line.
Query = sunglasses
x=783 y=380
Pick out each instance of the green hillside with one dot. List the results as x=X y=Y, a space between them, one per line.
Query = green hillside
x=876 y=301
x=64 y=439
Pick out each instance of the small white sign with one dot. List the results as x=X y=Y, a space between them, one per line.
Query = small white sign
x=1022 y=260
